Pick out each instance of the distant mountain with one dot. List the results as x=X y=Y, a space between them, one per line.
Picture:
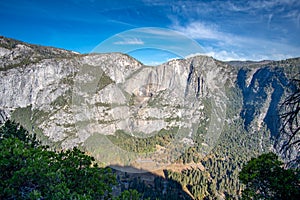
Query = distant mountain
x=248 y=63
x=195 y=110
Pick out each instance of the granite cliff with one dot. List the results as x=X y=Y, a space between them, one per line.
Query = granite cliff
x=70 y=99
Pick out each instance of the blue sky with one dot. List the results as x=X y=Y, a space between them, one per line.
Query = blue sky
x=226 y=30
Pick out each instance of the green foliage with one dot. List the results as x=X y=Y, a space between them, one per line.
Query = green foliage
x=142 y=145
x=194 y=180
x=30 y=119
x=129 y=195
x=265 y=178
x=104 y=81
x=30 y=171
x=13 y=130
x=163 y=189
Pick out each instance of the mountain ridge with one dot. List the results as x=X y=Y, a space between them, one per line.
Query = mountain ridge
x=195 y=110
x=124 y=61
x=10 y=43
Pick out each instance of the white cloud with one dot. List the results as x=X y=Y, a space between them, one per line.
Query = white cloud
x=231 y=56
x=225 y=55
x=198 y=30
x=130 y=41
x=220 y=55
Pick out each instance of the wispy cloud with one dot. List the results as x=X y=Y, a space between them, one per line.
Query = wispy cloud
x=158 y=32
x=225 y=55
x=227 y=30
x=293 y=15
x=237 y=55
x=213 y=32
x=130 y=41
x=230 y=46
x=199 y=30
x=258 y=5
x=121 y=23
x=269 y=4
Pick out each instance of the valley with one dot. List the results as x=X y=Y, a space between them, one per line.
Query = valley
x=190 y=123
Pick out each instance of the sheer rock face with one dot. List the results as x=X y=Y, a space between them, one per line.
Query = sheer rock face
x=71 y=97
